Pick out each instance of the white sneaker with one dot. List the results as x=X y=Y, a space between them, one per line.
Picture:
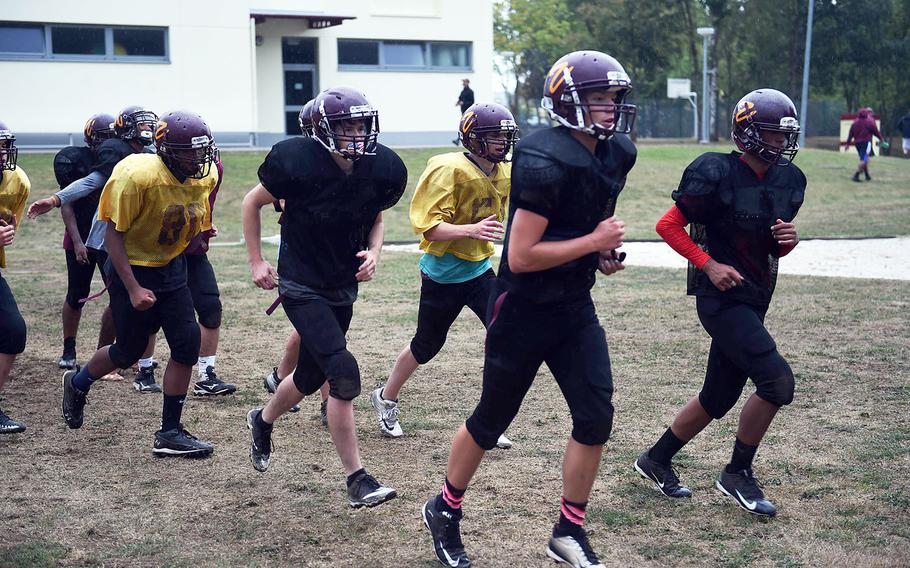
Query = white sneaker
x=387 y=414
x=503 y=443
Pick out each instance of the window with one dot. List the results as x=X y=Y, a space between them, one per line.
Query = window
x=298 y=50
x=92 y=43
x=394 y=55
x=21 y=38
x=356 y=52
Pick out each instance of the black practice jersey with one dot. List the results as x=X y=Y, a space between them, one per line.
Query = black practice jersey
x=731 y=211
x=328 y=215
x=555 y=176
x=74 y=163
x=110 y=152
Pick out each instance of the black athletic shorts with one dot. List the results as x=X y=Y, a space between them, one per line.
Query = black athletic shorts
x=172 y=312
x=200 y=277
x=12 y=326
x=568 y=337
x=741 y=348
x=323 y=348
x=79 y=277
x=440 y=304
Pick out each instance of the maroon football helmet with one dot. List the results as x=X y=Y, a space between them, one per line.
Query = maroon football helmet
x=185 y=143
x=766 y=110
x=573 y=77
x=98 y=128
x=305 y=119
x=331 y=109
x=482 y=120
x=136 y=123
x=9 y=154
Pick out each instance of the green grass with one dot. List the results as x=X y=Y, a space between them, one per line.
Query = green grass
x=834 y=206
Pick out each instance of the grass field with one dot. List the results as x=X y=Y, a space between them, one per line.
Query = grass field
x=836 y=461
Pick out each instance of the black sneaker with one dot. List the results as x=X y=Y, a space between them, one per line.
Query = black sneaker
x=145 y=380
x=10 y=426
x=179 y=442
x=67 y=360
x=260 y=443
x=367 y=492
x=743 y=487
x=271 y=381
x=868 y=177
x=445 y=528
x=856 y=177
x=664 y=478
x=210 y=384
x=323 y=412
x=73 y=400
x=573 y=549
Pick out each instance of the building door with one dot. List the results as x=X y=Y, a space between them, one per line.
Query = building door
x=298 y=58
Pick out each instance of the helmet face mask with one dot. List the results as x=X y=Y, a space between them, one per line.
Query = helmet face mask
x=583 y=84
x=345 y=123
x=765 y=125
x=185 y=144
x=9 y=153
x=136 y=123
x=488 y=130
x=98 y=128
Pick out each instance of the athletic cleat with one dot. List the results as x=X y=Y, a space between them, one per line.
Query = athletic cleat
x=445 y=528
x=260 y=443
x=73 y=401
x=179 y=442
x=662 y=476
x=365 y=491
x=743 y=488
x=323 y=412
x=67 y=360
x=271 y=381
x=10 y=426
x=210 y=384
x=573 y=549
x=145 y=380
x=503 y=443
x=387 y=414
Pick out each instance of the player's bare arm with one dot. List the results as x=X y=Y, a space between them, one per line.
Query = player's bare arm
x=264 y=275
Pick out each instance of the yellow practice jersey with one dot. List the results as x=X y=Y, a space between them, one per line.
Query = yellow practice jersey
x=13 y=196
x=157 y=214
x=454 y=190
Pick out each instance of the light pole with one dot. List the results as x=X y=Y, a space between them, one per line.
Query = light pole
x=706 y=34
x=804 y=99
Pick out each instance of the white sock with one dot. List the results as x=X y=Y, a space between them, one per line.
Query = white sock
x=146 y=363
x=206 y=362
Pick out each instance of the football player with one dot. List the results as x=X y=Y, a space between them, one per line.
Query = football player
x=741 y=207
x=561 y=230
x=71 y=164
x=458 y=208
x=154 y=206
x=335 y=186
x=134 y=129
x=292 y=348
x=14 y=187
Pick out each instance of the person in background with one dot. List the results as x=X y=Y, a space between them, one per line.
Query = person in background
x=465 y=100
x=861 y=132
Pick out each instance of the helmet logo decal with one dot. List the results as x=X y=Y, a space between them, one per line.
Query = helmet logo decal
x=468 y=121
x=789 y=122
x=161 y=131
x=200 y=140
x=745 y=111
x=557 y=75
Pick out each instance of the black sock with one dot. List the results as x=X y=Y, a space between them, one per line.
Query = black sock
x=354 y=475
x=262 y=423
x=173 y=408
x=571 y=516
x=742 y=456
x=69 y=344
x=668 y=446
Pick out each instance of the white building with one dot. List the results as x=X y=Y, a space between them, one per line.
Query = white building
x=247 y=66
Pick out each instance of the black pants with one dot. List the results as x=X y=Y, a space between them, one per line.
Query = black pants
x=440 y=304
x=567 y=336
x=79 y=277
x=172 y=312
x=741 y=348
x=323 y=348
x=200 y=278
x=12 y=326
